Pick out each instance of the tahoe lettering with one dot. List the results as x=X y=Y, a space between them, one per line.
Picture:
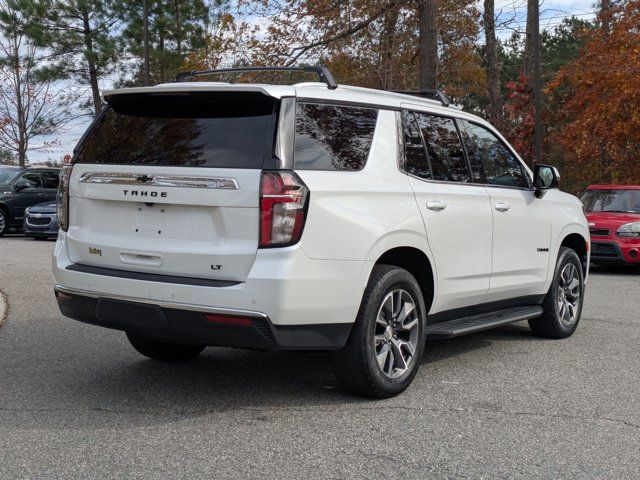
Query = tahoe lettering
x=144 y=193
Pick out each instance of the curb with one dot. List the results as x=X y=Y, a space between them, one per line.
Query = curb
x=4 y=308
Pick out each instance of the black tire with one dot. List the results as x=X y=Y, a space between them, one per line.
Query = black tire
x=164 y=351
x=356 y=365
x=4 y=222
x=551 y=323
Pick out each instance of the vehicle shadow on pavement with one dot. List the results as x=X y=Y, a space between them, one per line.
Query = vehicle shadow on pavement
x=225 y=379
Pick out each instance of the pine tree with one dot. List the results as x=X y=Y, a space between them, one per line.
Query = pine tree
x=81 y=37
x=176 y=28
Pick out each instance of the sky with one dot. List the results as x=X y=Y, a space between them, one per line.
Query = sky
x=511 y=17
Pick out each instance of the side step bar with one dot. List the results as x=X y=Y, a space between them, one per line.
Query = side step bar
x=477 y=323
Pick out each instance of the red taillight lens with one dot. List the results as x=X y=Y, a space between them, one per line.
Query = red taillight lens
x=283 y=208
x=62 y=209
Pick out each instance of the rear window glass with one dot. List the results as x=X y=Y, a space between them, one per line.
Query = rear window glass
x=330 y=137
x=230 y=130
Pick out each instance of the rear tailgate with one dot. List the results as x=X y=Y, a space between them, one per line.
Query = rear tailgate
x=169 y=184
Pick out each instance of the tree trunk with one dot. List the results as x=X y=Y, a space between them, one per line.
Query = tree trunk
x=428 y=44
x=388 y=45
x=91 y=61
x=20 y=111
x=178 y=29
x=494 y=110
x=529 y=60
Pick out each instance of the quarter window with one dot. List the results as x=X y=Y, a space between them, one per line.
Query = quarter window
x=491 y=158
x=50 y=179
x=330 y=137
x=444 y=148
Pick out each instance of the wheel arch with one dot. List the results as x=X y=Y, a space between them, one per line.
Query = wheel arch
x=418 y=264
x=578 y=243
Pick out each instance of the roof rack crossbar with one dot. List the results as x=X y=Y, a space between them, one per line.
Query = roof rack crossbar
x=323 y=73
x=437 y=95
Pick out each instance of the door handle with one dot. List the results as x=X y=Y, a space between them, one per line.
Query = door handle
x=502 y=207
x=436 y=206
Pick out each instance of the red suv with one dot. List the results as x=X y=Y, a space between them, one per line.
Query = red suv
x=613 y=212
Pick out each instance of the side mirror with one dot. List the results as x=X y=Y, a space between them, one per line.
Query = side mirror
x=545 y=177
x=22 y=184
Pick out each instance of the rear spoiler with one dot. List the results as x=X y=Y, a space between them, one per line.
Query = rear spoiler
x=276 y=91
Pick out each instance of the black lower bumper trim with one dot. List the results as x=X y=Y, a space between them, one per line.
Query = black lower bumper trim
x=150 y=277
x=186 y=326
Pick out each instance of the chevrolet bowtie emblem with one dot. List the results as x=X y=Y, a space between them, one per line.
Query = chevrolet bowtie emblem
x=144 y=179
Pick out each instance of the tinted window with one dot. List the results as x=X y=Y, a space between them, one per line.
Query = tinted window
x=329 y=137
x=234 y=130
x=33 y=178
x=611 y=201
x=50 y=179
x=444 y=148
x=416 y=161
x=493 y=159
x=8 y=174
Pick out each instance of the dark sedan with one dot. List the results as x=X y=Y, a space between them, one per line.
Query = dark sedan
x=21 y=188
x=40 y=221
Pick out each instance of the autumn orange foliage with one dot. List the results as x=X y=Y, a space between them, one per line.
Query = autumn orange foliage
x=597 y=103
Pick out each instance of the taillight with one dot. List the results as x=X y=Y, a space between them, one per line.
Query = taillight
x=283 y=208
x=62 y=207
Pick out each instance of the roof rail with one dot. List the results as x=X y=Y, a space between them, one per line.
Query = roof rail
x=437 y=95
x=323 y=73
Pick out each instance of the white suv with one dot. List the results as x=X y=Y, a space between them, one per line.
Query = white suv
x=311 y=216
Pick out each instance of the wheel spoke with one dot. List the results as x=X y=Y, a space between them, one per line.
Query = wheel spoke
x=397 y=303
x=400 y=361
x=382 y=356
x=410 y=325
x=567 y=312
x=405 y=311
x=388 y=369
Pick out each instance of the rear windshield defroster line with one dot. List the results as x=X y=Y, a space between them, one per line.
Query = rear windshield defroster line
x=203 y=129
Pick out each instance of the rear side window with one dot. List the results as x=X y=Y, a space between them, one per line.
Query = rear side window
x=208 y=129
x=444 y=148
x=493 y=159
x=330 y=137
x=33 y=178
x=416 y=161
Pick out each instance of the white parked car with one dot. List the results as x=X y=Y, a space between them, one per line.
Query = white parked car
x=311 y=216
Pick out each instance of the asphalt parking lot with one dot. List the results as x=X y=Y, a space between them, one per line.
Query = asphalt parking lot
x=77 y=401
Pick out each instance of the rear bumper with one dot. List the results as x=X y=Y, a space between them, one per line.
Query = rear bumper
x=623 y=252
x=195 y=324
x=284 y=286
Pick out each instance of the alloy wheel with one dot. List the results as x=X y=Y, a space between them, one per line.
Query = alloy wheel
x=568 y=301
x=396 y=333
